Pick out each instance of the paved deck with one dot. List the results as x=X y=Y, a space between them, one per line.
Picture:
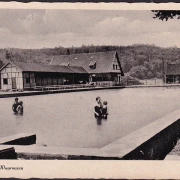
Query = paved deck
x=158 y=85
x=40 y=152
x=32 y=93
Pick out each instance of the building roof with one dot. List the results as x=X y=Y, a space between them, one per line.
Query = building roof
x=35 y=67
x=173 y=69
x=77 y=69
x=101 y=60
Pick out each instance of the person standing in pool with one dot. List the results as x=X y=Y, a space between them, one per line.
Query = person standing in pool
x=20 y=107
x=15 y=105
x=98 y=109
x=104 y=110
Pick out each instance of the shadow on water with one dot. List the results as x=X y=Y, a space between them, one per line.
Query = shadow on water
x=18 y=114
x=18 y=117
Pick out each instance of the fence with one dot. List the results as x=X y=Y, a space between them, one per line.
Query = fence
x=152 y=81
x=106 y=83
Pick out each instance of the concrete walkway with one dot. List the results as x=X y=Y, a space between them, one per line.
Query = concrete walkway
x=159 y=85
x=32 y=93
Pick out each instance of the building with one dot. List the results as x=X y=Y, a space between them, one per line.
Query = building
x=19 y=75
x=172 y=73
x=102 y=68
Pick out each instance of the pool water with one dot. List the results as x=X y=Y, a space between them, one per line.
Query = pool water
x=67 y=119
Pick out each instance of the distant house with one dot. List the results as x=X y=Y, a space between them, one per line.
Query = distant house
x=101 y=66
x=173 y=73
x=18 y=75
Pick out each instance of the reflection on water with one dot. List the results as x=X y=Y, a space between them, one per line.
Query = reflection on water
x=18 y=117
x=99 y=121
x=67 y=120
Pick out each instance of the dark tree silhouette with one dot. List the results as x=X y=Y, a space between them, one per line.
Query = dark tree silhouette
x=8 y=55
x=166 y=14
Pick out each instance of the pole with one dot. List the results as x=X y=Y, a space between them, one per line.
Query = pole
x=163 y=71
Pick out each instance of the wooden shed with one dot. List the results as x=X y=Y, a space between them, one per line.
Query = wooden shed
x=19 y=75
x=173 y=73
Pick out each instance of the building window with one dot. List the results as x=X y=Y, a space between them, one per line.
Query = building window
x=5 y=81
x=92 y=65
x=115 y=66
x=27 y=80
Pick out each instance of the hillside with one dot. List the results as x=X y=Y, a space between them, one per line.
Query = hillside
x=141 y=61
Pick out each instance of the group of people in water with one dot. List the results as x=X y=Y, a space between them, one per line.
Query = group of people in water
x=17 y=106
x=100 y=109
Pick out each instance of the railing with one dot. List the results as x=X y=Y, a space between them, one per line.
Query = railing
x=58 y=87
x=75 y=86
x=71 y=86
x=106 y=83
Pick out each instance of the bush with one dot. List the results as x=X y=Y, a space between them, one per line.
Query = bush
x=129 y=80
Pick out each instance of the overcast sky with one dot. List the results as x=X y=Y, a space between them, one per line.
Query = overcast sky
x=53 y=28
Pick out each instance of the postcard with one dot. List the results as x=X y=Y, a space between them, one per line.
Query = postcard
x=89 y=90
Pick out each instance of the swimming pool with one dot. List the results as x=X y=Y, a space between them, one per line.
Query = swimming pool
x=67 y=119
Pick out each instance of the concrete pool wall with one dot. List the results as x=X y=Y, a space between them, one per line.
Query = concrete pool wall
x=151 y=142
x=157 y=147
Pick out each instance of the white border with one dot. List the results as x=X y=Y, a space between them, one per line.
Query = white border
x=90 y=6
x=92 y=169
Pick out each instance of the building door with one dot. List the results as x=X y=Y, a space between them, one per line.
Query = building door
x=119 y=78
x=13 y=83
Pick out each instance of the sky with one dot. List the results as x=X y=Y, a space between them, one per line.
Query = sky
x=32 y=29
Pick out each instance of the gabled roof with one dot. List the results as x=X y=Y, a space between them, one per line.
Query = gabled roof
x=173 y=69
x=103 y=61
x=35 y=67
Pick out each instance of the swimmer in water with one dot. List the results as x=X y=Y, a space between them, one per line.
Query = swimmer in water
x=20 y=107
x=104 y=110
x=15 y=105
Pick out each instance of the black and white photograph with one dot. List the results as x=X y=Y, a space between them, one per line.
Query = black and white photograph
x=89 y=84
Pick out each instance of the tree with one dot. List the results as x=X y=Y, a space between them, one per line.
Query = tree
x=166 y=14
x=8 y=55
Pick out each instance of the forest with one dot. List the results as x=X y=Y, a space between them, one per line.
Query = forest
x=139 y=60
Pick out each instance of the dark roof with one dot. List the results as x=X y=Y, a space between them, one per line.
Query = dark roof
x=77 y=69
x=173 y=69
x=35 y=67
x=103 y=61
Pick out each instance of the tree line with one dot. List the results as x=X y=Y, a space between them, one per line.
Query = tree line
x=139 y=61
